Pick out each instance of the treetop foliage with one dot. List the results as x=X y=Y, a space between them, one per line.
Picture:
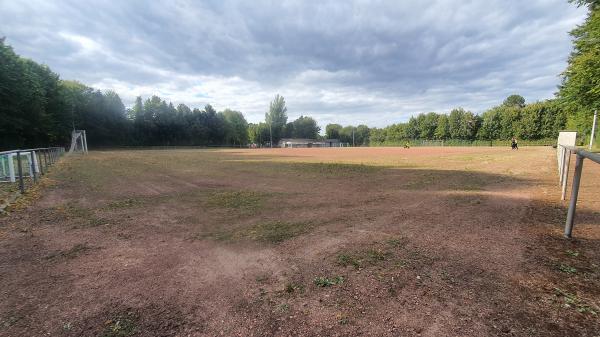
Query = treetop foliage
x=579 y=92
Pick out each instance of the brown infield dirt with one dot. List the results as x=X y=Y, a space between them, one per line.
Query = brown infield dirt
x=302 y=242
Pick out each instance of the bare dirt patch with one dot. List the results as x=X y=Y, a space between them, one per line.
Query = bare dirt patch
x=302 y=242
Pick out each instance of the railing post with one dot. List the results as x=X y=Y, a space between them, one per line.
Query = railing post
x=20 y=169
x=33 y=170
x=46 y=160
x=574 y=193
x=39 y=161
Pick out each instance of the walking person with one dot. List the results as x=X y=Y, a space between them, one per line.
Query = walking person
x=514 y=144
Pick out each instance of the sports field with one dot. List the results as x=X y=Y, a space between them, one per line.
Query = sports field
x=302 y=242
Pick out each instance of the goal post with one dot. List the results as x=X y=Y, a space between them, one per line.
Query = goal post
x=563 y=157
x=78 y=142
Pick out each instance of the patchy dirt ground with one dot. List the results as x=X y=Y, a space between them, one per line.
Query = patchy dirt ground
x=303 y=242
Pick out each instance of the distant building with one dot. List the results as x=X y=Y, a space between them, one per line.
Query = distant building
x=300 y=142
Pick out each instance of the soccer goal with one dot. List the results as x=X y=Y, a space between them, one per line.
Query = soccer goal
x=78 y=142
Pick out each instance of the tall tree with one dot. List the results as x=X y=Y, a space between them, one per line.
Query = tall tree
x=236 y=127
x=332 y=131
x=305 y=127
x=579 y=92
x=276 y=118
x=442 y=131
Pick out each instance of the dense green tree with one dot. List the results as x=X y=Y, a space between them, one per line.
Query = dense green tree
x=303 y=127
x=276 y=117
x=579 y=92
x=412 y=129
x=258 y=133
x=491 y=125
x=514 y=101
x=442 y=131
x=333 y=131
x=362 y=134
x=236 y=127
x=456 y=128
x=427 y=124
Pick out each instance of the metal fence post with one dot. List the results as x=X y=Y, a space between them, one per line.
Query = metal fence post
x=46 y=160
x=20 y=169
x=574 y=193
x=40 y=163
x=33 y=170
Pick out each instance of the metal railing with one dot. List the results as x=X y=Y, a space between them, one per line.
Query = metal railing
x=38 y=160
x=564 y=172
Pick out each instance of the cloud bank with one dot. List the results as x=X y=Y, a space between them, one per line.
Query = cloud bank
x=348 y=62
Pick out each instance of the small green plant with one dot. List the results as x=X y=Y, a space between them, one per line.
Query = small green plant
x=345 y=260
x=328 y=282
x=572 y=301
x=283 y=307
x=572 y=253
x=565 y=268
x=120 y=327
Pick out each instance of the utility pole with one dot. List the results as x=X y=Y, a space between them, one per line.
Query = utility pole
x=352 y=136
x=593 y=129
x=271 y=134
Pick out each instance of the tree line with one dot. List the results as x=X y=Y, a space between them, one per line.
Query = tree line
x=37 y=108
x=513 y=118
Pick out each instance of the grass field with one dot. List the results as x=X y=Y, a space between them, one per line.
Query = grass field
x=302 y=242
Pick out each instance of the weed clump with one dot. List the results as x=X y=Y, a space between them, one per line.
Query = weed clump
x=345 y=260
x=121 y=327
x=322 y=281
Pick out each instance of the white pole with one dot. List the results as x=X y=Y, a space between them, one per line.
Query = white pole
x=11 y=167
x=593 y=129
x=84 y=140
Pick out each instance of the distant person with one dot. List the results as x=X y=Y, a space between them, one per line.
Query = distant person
x=513 y=144
x=407 y=145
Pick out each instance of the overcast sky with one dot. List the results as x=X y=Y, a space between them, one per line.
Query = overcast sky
x=371 y=62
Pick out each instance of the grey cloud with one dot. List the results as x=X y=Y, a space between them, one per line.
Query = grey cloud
x=375 y=62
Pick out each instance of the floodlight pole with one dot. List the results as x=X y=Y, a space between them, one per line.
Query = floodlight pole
x=271 y=134
x=352 y=136
x=593 y=129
